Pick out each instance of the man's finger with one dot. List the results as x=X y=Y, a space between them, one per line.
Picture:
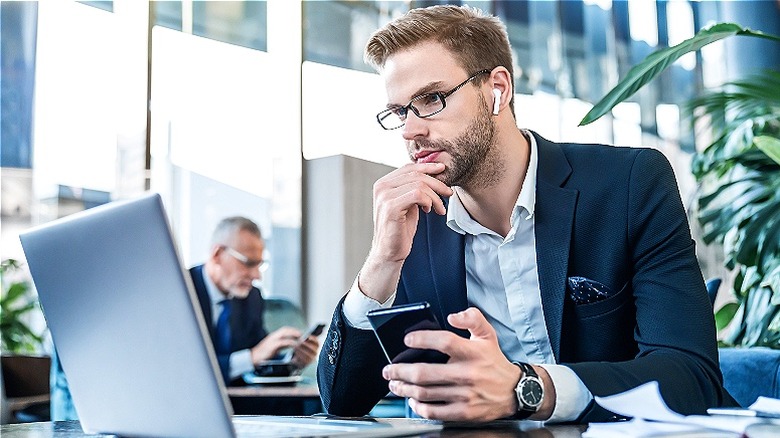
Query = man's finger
x=474 y=321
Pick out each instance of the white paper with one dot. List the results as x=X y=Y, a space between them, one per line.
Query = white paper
x=652 y=417
x=644 y=401
x=766 y=404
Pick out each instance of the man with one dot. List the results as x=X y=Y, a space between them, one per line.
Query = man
x=573 y=261
x=224 y=284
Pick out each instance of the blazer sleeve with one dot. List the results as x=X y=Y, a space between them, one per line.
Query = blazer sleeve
x=675 y=330
x=349 y=371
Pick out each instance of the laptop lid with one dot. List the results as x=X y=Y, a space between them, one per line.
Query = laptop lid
x=124 y=319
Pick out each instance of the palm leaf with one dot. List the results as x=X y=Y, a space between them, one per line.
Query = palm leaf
x=658 y=61
x=770 y=146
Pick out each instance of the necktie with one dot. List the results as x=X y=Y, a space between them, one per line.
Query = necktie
x=223 y=338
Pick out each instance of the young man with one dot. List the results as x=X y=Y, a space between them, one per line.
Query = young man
x=224 y=284
x=568 y=270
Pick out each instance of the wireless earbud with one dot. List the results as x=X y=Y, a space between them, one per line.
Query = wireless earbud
x=496 y=101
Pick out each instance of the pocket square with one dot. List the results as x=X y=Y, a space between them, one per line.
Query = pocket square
x=585 y=291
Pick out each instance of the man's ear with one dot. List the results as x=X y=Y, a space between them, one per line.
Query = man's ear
x=216 y=250
x=501 y=80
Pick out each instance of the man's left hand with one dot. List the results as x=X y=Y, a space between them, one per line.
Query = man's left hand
x=476 y=384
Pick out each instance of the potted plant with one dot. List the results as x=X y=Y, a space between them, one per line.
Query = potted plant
x=739 y=180
x=16 y=304
x=25 y=370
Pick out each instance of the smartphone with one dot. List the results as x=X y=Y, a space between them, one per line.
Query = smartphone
x=391 y=326
x=314 y=330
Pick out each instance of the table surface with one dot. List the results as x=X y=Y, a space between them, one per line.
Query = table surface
x=516 y=429
x=301 y=390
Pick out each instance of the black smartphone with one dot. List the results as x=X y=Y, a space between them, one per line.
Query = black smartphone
x=391 y=326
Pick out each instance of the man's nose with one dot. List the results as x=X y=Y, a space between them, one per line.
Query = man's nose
x=415 y=127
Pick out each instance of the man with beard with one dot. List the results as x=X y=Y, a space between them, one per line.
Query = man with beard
x=561 y=271
x=234 y=307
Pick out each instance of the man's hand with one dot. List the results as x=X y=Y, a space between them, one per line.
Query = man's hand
x=398 y=196
x=476 y=384
x=306 y=351
x=270 y=346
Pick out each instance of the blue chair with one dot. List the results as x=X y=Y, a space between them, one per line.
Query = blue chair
x=750 y=372
x=713 y=284
x=747 y=372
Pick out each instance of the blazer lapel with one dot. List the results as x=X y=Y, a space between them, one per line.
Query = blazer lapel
x=554 y=218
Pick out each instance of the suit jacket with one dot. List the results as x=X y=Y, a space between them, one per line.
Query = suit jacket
x=609 y=214
x=246 y=319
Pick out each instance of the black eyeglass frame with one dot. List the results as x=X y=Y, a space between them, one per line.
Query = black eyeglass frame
x=442 y=95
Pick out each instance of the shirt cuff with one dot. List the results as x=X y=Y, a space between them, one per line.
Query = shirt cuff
x=571 y=395
x=240 y=363
x=357 y=304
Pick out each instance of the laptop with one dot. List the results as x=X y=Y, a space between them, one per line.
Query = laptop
x=131 y=338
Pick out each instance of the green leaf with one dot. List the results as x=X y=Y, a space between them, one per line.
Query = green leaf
x=658 y=61
x=770 y=146
x=724 y=316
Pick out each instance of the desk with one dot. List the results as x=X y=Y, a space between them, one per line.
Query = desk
x=300 y=399
x=72 y=429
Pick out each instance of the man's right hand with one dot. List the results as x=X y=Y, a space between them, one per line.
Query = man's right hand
x=285 y=337
x=398 y=196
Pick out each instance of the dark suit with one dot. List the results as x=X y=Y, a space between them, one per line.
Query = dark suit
x=610 y=214
x=246 y=318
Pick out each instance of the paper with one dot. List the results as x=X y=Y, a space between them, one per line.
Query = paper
x=766 y=404
x=652 y=417
x=644 y=401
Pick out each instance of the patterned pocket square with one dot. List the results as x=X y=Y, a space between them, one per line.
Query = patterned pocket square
x=586 y=291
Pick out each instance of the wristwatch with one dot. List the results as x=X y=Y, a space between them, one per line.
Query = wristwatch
x=529 y=391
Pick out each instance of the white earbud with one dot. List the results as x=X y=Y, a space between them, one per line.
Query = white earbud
x=496 y=101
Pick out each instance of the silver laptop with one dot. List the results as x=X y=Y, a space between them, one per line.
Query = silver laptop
x=130 y=335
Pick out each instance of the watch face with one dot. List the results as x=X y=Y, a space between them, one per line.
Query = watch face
x=531 y=392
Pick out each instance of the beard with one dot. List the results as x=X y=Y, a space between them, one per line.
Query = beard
x=473 y=164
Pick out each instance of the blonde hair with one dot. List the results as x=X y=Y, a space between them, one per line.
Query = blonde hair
x=476 y=40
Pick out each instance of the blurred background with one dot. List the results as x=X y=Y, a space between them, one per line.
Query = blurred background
x=266 y=109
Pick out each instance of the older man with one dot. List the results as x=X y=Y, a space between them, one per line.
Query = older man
x=234 y=306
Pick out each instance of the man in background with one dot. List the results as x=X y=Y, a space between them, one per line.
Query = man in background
x=233 y=306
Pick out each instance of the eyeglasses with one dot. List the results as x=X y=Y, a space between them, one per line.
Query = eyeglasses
x=261 y=265
x=424 y=105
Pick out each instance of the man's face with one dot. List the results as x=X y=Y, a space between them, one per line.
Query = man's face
x=234 y=275
x=462 y=135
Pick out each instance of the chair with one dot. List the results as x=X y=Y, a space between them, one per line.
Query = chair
x=747 y=372
x=26 y=387
x=713 y=284
x=750 y=372
x=281 y=312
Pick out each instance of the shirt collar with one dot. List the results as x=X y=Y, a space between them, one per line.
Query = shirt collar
x=459 y=220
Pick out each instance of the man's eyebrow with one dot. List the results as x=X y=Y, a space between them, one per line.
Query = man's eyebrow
x=427 y=88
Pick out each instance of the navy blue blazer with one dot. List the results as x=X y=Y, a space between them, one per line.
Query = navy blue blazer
x=246 y=319
x=609 y=214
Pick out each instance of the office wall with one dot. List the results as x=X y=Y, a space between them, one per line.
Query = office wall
x=339 y=226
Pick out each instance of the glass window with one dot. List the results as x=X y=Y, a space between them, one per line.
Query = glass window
x=342 y=45
x=166 y=14
x=236 y=22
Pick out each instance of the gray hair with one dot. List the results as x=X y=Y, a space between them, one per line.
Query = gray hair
x=230 y=226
